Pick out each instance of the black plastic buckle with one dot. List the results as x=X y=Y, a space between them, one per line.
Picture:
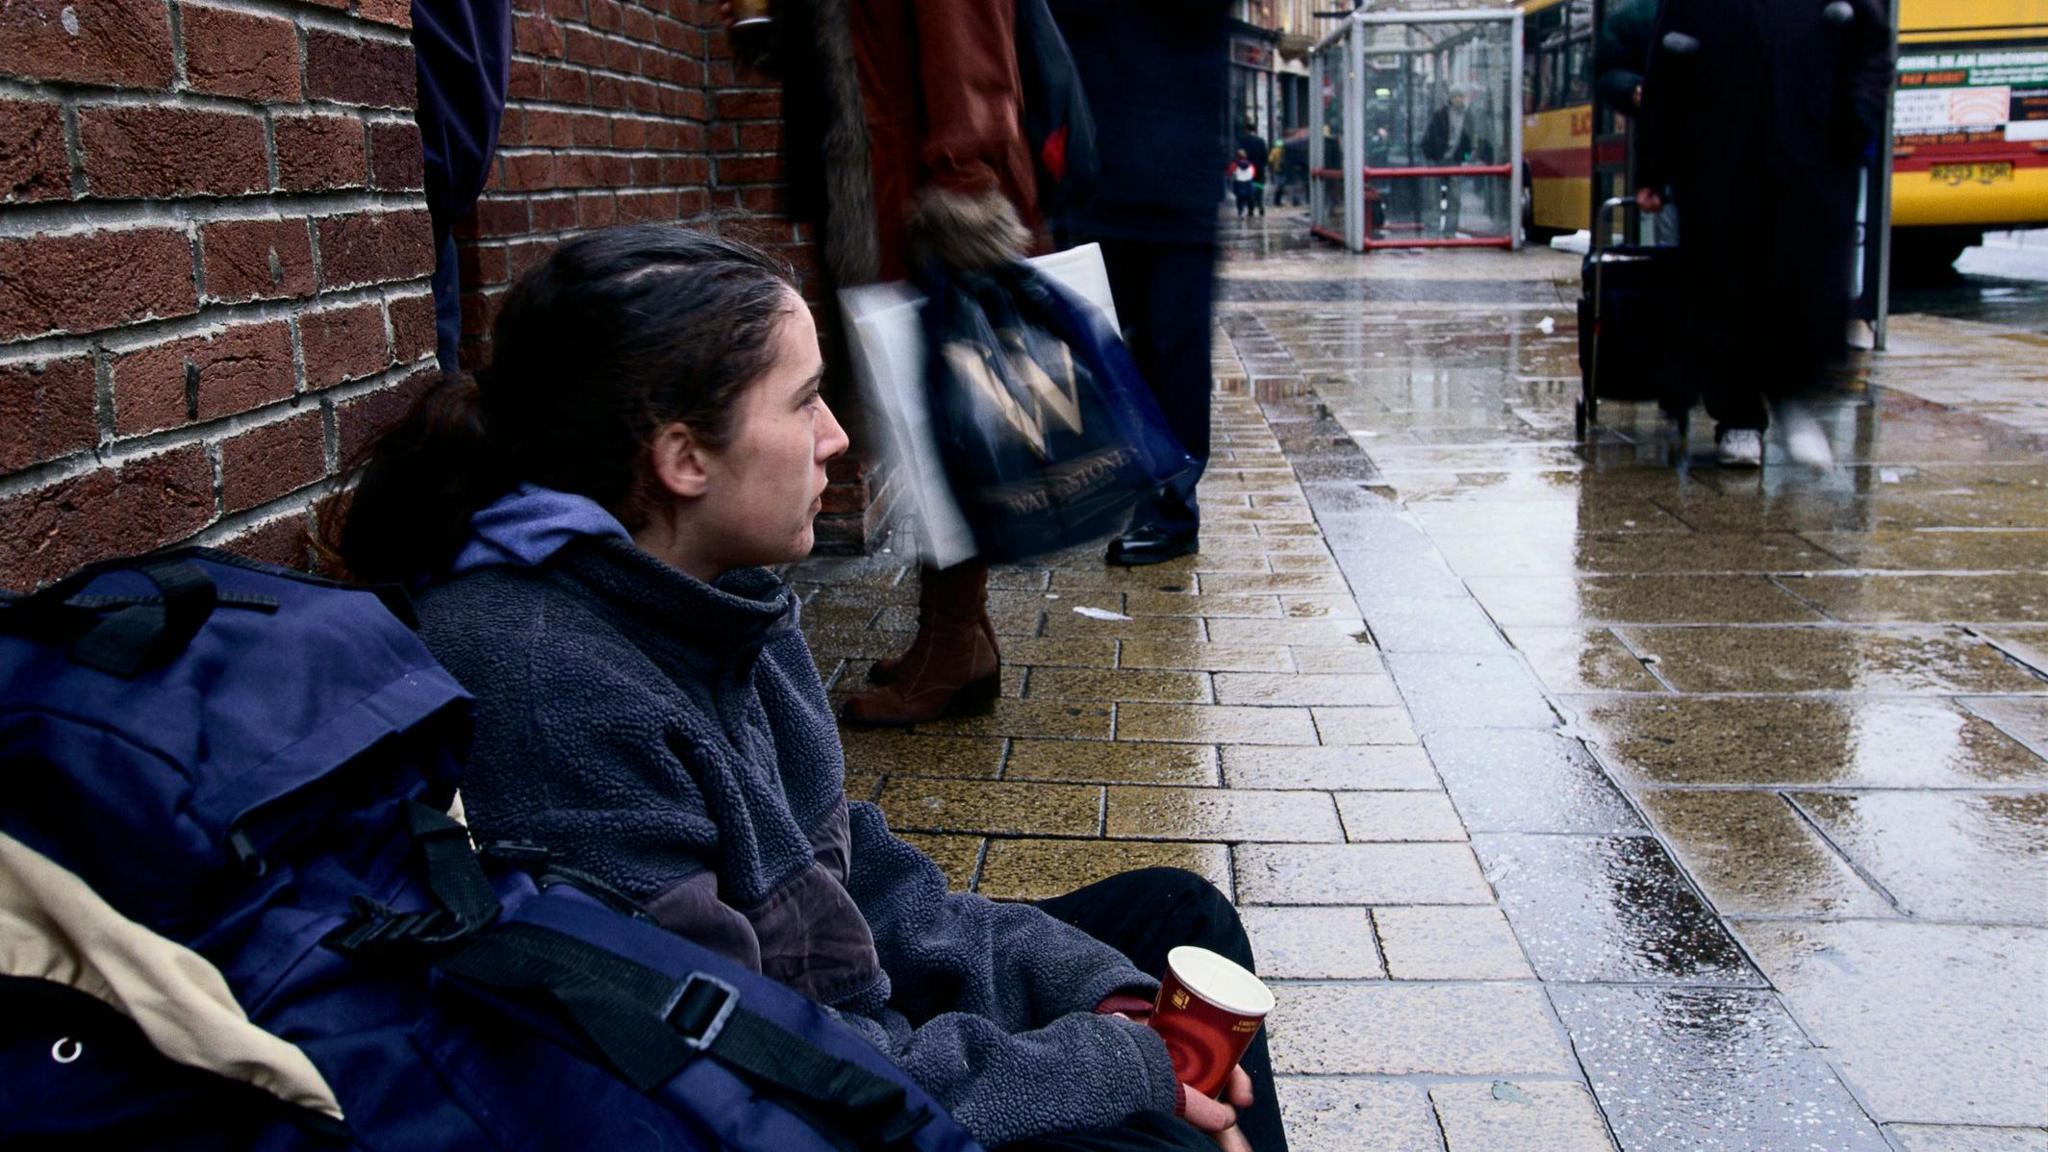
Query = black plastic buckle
x=694 y=1013
x=376 y=928
x=522 y=854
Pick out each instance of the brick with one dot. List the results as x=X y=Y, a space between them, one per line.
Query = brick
x=315 y=153
x=143 y=504
x=749 y=104
x=536 y=36
x=596 y=210
x=685 y=170
x=203 y=377
x=749 y=169
x=396 y=162
x=256 y=259
x=606 y=15
x=264 y=463
x=154 y=152
x=643 y=206
x=351 y=70
x=526 y=171
x=555 y=214
x=643 y=25
x=481 y=265
x=240 y=54
x=627 y=132
x=373 y=247
x=46 y=411
x=281 y=540
x=343 y=344
x=361 y=419
x=567 y=85
x=124 y=43
x=541 y=128
x=33 y=164
x=609 y=91
x=622 y=56
x=494 y=216
x=83 y=282
x=526 y=80
x=397 y=13
x=412 y=326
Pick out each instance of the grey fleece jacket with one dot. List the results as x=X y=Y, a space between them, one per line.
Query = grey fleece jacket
x=673 y=739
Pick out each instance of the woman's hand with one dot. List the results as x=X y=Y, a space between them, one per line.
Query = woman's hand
x=1649 y=200
x=1217 y=1118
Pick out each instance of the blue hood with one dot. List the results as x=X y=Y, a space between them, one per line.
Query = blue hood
x=529 y=524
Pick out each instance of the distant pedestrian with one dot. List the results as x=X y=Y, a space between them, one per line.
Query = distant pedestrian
x=1254 y=146
x=1244 y=183
x=1447 y=142
x=1757 y=116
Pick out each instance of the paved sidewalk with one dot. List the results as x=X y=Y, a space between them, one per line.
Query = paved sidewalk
x=1577 y=797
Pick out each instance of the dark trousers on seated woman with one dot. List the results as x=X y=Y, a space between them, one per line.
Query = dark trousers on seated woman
x=1143 y=914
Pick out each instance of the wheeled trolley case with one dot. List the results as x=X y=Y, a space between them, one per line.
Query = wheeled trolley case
x=1629 y=316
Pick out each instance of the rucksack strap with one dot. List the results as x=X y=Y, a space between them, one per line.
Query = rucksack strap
x=465 y=898
x=649 y=1027
x=131 y=638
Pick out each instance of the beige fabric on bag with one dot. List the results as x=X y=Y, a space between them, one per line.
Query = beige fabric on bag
x=54 y=927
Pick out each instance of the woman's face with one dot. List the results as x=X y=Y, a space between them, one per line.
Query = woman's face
x=767 y=484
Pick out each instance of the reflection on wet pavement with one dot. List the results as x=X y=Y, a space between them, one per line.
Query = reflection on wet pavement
x=1578 y=795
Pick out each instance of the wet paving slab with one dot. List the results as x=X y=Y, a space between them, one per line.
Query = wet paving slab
x=1509 y=780
x=1911 y=659
x=1711 y=1069
x=1754 y=853
x=1848 y=741
x=1945 y=855
x=1931 y=1022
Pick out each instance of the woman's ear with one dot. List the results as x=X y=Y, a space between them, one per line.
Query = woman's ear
x=680 y=466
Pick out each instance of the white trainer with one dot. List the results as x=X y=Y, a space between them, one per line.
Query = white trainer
x=1739 y=447
x=1805 y=441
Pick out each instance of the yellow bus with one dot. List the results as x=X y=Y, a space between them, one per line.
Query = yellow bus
x=1969 y=121
x=1969 y=125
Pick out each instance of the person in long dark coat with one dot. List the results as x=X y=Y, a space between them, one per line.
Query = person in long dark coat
x=1757 y=114
x=1156 y=78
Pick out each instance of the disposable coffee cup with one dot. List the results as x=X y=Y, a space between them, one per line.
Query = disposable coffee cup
x=752 y=13
x=1208 y=1011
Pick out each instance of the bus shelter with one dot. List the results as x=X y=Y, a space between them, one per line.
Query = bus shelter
x=1417 y=139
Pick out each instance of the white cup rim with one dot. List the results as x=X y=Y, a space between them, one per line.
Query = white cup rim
x=1220 y=981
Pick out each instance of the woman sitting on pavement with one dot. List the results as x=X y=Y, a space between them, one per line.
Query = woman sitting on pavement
x=587 y=524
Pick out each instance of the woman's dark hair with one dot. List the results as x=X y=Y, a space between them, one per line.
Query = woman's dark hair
x=618 y=333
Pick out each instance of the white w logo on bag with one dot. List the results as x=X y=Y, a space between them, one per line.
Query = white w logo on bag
x=973 y=364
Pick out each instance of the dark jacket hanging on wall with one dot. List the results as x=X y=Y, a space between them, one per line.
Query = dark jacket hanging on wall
x=1759 y=113
x=462 y=56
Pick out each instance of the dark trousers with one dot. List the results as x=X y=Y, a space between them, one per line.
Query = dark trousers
x=1166 y=298
x=1143 y=914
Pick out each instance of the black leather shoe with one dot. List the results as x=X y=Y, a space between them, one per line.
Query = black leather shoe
x=1150 y=544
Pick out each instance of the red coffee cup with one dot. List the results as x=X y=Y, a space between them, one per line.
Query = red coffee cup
x=1208 y=1011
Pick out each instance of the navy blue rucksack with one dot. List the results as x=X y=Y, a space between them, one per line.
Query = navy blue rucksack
x=235 y=914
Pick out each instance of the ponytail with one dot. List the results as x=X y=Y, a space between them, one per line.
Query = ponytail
x=412 y=491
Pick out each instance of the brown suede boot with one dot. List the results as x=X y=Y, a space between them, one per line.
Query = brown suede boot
x=952 y=666
x=885 y=670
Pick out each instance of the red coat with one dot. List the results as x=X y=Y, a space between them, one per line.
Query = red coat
x=943 y=106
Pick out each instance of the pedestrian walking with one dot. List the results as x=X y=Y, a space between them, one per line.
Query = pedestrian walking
x=1244 y=183
x=1157 y=78
x=903 y=141
x=1254 y=146
x=1758 y=116
x=1447 y=141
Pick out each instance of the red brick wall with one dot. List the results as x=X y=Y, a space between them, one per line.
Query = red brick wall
x=214 y=255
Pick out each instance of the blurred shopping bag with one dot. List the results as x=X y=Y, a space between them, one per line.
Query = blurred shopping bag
x=1010 y=407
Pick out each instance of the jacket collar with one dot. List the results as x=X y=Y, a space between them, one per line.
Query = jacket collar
x=671 y=611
